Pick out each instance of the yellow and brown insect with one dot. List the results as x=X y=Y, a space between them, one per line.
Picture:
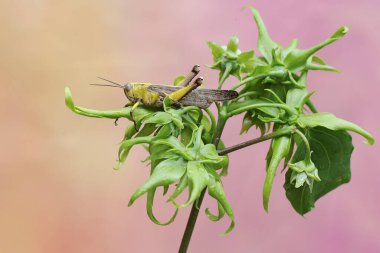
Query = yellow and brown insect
x=185 y=94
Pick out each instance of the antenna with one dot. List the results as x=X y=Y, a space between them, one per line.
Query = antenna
x=109 y=85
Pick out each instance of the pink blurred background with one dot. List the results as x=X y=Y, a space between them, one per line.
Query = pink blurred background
x=58 y=191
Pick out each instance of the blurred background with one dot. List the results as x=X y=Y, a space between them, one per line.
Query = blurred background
x=58 y=191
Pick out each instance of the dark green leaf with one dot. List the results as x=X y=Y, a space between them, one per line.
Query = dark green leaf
x=331 y=153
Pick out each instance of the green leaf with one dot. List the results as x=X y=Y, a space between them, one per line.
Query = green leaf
x=183 y=182
x=215 y=190
x=331 y=153
x=130 y=131
x=126 y=146
x=248 y=122
x=197 y=179
x=246 y=57
x=159 y=118
x=292 y=45
x=329 y=121
x=216 y=50
x=265 y=44
x=179 y=79
x=214 y=217
x=298 y=58
x=165 y=173
x=111 y=114
x=321 y=65
x=147 y=130
x=279 y=150
x=295 y=96
x=209 y=152
x=149 y=210
x=233 y=44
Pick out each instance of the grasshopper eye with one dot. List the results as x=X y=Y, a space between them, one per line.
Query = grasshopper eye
x=127 y=87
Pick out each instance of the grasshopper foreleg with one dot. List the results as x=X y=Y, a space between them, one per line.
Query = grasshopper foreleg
x=126 y=105
x=131 y=113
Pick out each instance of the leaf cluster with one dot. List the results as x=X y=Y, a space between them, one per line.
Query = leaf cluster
x=273 y=95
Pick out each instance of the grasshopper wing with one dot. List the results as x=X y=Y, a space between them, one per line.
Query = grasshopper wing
x=202 y=98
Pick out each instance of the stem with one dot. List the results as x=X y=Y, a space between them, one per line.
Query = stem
x=307 y=145
x=212 y=119
x=226 y=73
x=280 y=132
x=222 y=118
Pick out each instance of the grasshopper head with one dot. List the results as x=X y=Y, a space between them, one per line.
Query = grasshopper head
x=127 y=87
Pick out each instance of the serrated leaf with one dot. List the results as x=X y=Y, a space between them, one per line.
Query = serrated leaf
x=331 y=154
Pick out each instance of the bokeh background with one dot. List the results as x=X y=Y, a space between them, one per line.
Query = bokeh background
x=58 y=191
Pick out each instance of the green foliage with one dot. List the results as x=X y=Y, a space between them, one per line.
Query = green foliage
x=273 y=94
x=331 y=155
x=183 y=143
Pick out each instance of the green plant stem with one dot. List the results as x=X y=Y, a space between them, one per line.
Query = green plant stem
x=226 y=73
x=222 y=119
x=307 y=145
x=280 y=132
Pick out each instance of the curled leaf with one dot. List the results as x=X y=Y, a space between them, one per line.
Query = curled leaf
x=329 y=121
x=149 y=210
x=214 y=217
x=215 y=190
x=165 y=173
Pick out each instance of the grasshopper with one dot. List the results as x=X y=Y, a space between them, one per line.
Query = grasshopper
x=185 y=94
